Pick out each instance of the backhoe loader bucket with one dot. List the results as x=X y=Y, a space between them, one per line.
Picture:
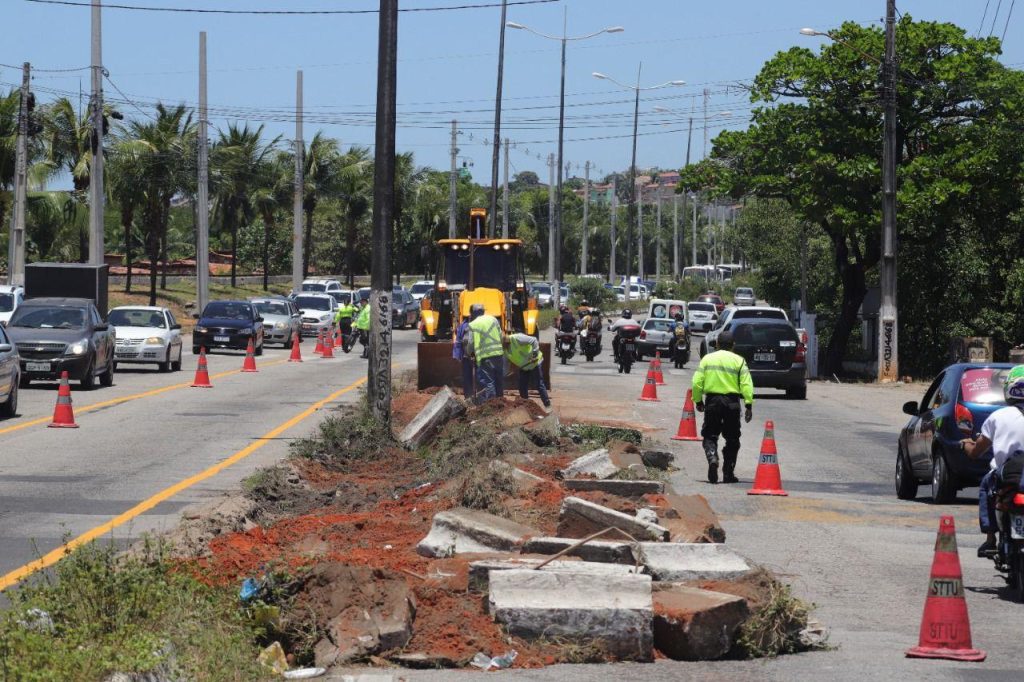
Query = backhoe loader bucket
x=435 y=366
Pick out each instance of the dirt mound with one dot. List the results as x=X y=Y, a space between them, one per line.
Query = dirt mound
x=279 y=491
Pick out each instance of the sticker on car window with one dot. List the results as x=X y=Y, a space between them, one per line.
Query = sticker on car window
x=787 y=344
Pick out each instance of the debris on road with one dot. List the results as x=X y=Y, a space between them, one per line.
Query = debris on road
x=442 y=407
x=460 y=531
x=580 y=518
x=691 y=624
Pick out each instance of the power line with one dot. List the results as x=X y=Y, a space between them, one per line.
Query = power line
x=290 y=12
x=981 y=26
x=1008 y=15
x=995 y=16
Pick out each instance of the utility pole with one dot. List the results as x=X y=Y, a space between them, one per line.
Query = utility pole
x=632 y=183
x=16 y=247
x=556 y=288
x=551 y=221
x=675 y=236
x=613 y=237
x=453 y=199
x=298 y=232
x=96 y=197
x=504 y=198
x=378 y=386
x=640 y=270
x=496 y=146
x=694 y=245
x=203 y=189
x=707 y=94
x=586 y=216
x=657 y=241
x=888 y=348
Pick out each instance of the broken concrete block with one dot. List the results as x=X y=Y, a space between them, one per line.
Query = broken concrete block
x=544 y=431
x=627 y=459
x=679 y=561
x=524 y=479
x=596 y=463
x=480 y=571
x=691 y=624
x=579 y=518
x=601 y=551
x=614 y=612
x=648 y=515
x=657 y=459
x=690 y=518
x=440 y=409
x=615 y=487
x=458 y=531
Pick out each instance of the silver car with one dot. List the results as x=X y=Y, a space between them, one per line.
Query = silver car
x=744 y=296
x=10 y=376
x=281 y=320
x=655 y=335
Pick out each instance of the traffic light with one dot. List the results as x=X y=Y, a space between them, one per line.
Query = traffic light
x=35 y=126
x=477 y=223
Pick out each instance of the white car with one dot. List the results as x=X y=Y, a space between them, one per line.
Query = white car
x=542 y=290
x=10 y=376
x=10 y=298
x=701 y=316
x=146 y=334
x=317 y=312
x=319 y=285
x=420 y=288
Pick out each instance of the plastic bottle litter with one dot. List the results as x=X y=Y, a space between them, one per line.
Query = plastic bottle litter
x=485 y=662
x=250 y=588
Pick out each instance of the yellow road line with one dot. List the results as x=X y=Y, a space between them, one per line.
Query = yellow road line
x=125 y=399
x=57 y=554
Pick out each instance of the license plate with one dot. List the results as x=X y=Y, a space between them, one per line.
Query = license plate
x=764 y=357
x=222 y=339
x=630 y=347
x=37 y=367
x=1017 y=527
x=566 y=346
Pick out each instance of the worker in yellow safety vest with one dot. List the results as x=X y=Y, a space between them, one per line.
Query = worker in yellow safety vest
x=721 y=381
x=483 y=342
x=523 y=351
x=363 y=326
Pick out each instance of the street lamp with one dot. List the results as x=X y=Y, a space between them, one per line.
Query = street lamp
x=555 y=234
x=632 y=167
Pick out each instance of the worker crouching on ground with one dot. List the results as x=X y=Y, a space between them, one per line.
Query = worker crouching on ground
x=459 y=353
x=523 y=351
x=483 y=343
x=720 y=382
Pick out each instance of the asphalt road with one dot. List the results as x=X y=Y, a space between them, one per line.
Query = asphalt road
x=151 y=431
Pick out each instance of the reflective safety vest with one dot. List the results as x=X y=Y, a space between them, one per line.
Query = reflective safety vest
x=486 y=337
x=522 y=355
x=346 y=310
x=363 y=321
x=723 y=373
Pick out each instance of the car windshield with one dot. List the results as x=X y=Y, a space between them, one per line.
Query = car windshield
x=6 y=303
x=228 y=311
x=272 y=307
x=744 y=292
x=709 y=299
x=137 y=317
x=421 y=288
x=313 y=302
x=983 y=385
x=748 y=334
x=342 y=296
x=48 y=318
x=702 y=307
x=542 y=288
x=658 y=325
x=760 y=314
x=314 y=286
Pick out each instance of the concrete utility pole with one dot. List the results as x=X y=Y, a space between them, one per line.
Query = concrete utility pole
x=453 y=182
x=888 y=348
x=16 y=243
x=504 y=198
x=203 y=189
x=694 y=230
x=657 y=240
x=641 y=270
x=378 y=386
x=96 y=196
x=551 y=221
x=707 y=94
x=298 y=227
x=675 y=236
x=586 y=216
x=496 y=144
x=612 y=236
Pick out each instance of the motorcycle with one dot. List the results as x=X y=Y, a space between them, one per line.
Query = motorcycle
x=1009 y=558
x=348 y=337
x=590 y=344
x=565 y=344
x=681 y=351
x=627 y=347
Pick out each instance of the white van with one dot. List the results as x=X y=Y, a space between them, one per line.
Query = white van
x=666 y=309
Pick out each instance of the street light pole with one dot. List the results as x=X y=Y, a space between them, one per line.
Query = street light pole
x=888 y=357
x=632 y=186
x=96 y=196
x=496 y=142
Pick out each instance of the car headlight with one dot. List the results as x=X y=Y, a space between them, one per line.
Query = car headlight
x=246 y=331
x=154 y=341
x=201 y=330
x=281 y=325
x=324 y=318
x=78 y=348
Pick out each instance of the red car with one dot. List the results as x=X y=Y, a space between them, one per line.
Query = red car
x=715 y=299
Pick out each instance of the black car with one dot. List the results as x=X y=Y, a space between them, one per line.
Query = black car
x=228 y=324
x=774 y=354
x=55 y=335
x=405 y=310
x=953 y=408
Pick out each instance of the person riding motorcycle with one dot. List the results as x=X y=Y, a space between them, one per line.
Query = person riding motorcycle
x=1003 y=433
x=626 y=320
x=566 y=322
x=680 y=335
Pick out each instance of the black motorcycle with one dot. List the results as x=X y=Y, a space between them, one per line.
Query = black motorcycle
x=565 y=345
x=348 y=336
x=1009 y=558
x=627 y=347
x=681 y=351
x=590 y=345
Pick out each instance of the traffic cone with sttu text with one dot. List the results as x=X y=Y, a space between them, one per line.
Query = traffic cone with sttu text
x=768 y=478
x=945 y=625
x=63 y=414
x=249 y=364
x=296 y=355
x=688 y=422
x=202 y=379
x=659 y=378
x=319 y=348
x=328 y=353
x=650 y=391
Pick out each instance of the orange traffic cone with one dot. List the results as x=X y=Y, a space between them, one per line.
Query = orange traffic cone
x=688 y=422
x=63 y=414
x=659 y=378
x=296 y=355
x=650 y=391
x=202 y=379
x=328 y=353
x=319 y=348
x=337 y=337
x=249 y=364
x=768 y=478
x=945 y=626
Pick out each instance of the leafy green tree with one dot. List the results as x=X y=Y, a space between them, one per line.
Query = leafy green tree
x=270 y=197
x=320 y=180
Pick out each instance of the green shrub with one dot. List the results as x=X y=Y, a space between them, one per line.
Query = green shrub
x=591 y=290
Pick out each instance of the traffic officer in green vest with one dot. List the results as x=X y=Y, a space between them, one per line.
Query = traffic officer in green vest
x=363 y=327
x=483 y=343
x=523 y=351
x=720 y=383
x=343 y=318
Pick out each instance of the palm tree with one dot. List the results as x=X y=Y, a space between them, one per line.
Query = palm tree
x=355 y=185
x=320 y=180
x=408 y=180
x=9 y=104
x=240 y=155
x=124 y=179
x=68 y=142
x=273 y=192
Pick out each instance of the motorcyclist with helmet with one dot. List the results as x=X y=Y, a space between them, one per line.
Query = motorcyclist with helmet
x=625 y=320
x=566 y=322
x=680 y=336
x=1003 y=434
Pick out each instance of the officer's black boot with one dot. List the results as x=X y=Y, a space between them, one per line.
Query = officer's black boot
x=729 y=454
x=711 y=452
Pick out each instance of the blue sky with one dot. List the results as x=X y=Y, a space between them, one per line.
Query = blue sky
x=447 y=66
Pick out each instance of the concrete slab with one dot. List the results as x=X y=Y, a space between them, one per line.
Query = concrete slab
x=601 y=551
x=442 y=407
x=627 y=459
x=691 y=624
x=480 y=571
x=524 y=479
x=615 y=487
x=460 y=530
x=596 y=463
x=690 y=518
x=615 y=612
x=679 y=561
x=579 y=518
